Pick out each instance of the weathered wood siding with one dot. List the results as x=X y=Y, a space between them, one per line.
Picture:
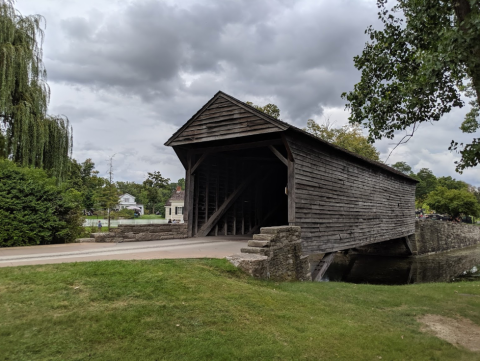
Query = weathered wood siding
x=342 y=202
x=223 y=119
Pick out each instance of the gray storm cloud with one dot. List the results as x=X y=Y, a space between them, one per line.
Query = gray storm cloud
x=300 y=55
x=129 y=73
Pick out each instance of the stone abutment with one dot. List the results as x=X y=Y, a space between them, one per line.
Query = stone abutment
x=276 y=254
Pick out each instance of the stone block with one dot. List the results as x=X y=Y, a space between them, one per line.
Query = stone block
x=255 y=250
x=282 y=248
x=147 y=236
x=102 y=235
x=84 y=240
x=255 y=243
x=253 y=264
x=263 y=237
x=105 y=239
x=280 y=229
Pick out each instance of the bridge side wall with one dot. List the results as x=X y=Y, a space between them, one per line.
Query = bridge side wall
x=140 y=232
x=438 y=236
x=342 y=202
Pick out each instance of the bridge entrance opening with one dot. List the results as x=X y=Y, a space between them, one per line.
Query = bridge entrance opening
x=237 y=192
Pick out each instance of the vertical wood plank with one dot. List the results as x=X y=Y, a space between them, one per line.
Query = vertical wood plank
x=189 y=197
x=291 y=192
x=242 y=199
x=206 y=195
x=235 y=206
x=216 y=194
x=197 y=192
x=225 y=226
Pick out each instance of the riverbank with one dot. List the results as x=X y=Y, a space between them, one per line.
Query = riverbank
x=208 y=310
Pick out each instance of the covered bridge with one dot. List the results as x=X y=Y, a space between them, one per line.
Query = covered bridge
x=246 y=170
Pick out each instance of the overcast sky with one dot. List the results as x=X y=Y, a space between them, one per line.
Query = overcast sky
x=129 y=73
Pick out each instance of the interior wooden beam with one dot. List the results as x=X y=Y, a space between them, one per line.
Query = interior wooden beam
x=287 y=147
x=278 y=154
x=214 y=218
x=322 y=266
x=198 y=162
x=190 y=184
x=225 y=148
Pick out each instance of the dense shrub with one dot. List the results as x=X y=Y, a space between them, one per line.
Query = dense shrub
x=34 y=209
x=453 y=202
x=125 y=213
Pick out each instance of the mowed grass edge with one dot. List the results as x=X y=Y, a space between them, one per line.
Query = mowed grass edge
x=208 y=310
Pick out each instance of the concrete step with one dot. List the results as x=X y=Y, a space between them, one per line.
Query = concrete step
x=255 y=250
x=263 y=237
x=256 y=243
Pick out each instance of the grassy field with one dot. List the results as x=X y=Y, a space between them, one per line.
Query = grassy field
x=208 y=310
x=150 y=216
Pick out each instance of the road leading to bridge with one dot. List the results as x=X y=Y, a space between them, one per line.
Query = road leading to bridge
x=210 y=247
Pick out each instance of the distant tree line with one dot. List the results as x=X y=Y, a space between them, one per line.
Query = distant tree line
x=445 y=195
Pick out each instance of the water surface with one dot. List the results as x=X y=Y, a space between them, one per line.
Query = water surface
x=452 y=266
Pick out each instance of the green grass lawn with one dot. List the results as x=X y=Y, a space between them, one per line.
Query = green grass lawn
x=150 y=216
x=208 y=310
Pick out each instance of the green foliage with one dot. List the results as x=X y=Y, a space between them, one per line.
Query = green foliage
x=350 y=138
x=153 y=184
x=476 y=193
x=414 y=69
x=34 y=209
x=181 y=183
x=453 y=202
x=108 y=196
x=27 y=135
x=84 y=178
x=451 y=183
x=125 y=213
x=427 y=183
x=270 y=109
x=154 y=192
x=402 y=167
x=135 y=189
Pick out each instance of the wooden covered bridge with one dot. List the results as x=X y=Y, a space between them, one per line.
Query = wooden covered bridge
x=246 y=170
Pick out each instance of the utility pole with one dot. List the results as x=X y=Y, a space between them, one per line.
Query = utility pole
x=110 y=177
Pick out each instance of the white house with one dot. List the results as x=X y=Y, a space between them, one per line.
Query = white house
x=174 y=206
x=127 y=200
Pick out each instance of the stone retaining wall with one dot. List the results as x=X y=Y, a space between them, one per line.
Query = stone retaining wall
x=142 y=232
x=430 y=237
x=275 y=253
x=439 y=236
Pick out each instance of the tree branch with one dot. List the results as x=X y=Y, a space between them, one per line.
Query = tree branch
x=409 y=136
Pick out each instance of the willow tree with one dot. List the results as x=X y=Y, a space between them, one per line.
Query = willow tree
x=28 y=135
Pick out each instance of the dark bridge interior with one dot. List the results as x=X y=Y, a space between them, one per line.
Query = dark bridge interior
x=237 y=192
